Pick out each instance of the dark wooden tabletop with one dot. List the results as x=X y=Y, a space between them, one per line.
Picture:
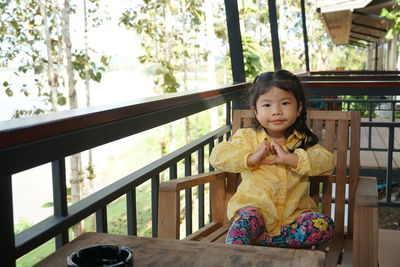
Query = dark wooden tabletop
x=167 y=252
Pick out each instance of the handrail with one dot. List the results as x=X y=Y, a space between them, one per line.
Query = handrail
x=13 y=132
x=350 y=72
x=393 y=77
x=78 y=130
x=334 y=88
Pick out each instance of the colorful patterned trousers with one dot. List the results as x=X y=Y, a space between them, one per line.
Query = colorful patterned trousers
x=308 y=230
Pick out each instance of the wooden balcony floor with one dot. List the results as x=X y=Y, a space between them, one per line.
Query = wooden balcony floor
x=378 y=159
x=389 y=242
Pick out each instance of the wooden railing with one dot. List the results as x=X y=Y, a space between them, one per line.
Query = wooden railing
x=26 y=143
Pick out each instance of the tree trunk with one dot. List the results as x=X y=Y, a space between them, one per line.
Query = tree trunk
x=52 y=75
x=211 y=58
x=73 y=103
x=185 y=67
x=90 y=166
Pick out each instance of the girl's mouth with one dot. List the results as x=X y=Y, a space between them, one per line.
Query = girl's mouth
x=277 y=121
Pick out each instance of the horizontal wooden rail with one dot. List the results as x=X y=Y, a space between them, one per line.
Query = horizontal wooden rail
x=334 y=88
x=87 y=131
x=13 y=132
x=393 y=77
x=359 y=72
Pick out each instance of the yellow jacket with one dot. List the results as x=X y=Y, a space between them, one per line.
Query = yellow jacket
x=278 y=191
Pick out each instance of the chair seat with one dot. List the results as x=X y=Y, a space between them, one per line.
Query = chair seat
x=339 y=252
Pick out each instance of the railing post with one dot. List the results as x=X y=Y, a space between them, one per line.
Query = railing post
x=210 y=148
x=188 y=196
x=228 y=118
x=173 y=172
x=200 y=189
x=7 y=238
x=369 y=128
x=131 y=212
x=393 y=107
x=389 y=164
x=101 y=220
x=155 y=184
x=60 y=197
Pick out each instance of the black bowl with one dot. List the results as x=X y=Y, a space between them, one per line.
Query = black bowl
x=101 y=255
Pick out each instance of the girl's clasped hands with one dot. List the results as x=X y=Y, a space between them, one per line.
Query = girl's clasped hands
x=265 y=149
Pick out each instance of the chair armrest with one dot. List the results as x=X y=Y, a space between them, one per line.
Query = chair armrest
x=177 y=185
x=366 y=192
x=169 y=200
x=365 y=239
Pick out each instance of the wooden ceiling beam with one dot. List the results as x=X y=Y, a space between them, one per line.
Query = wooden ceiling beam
x=365 y=34
x=368 y=26
x=373 y=16
x=357 y=44
x=358 y=38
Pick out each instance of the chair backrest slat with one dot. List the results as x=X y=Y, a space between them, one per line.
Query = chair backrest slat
x=330 y=132
x=341 y=164
x=339 y=130
x=242 y=118
x=354 y=171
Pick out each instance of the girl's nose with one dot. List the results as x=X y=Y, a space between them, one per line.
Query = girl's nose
x=276 y=111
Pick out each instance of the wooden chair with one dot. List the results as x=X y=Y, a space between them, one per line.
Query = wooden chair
x=354 y=243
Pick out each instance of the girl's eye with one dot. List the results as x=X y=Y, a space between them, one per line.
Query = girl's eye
x=285 y=103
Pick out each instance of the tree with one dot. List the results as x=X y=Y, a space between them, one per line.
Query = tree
x=30 y=28
x=393 y=15
x=167 y=43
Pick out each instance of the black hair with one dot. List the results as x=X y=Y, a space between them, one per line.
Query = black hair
x=289 y=82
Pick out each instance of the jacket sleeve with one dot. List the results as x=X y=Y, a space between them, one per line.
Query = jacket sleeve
x=314 y=161
x=231 y=156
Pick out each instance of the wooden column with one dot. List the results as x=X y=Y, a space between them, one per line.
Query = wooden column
x=273 y=21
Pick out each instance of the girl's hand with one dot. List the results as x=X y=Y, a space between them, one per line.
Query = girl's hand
x=258 y=157
x=282 y=157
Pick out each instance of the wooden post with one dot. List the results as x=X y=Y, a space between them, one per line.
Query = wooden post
x=365 y=232
x=168 y=215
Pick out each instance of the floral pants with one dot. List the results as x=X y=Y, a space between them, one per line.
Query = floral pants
x=308 y=230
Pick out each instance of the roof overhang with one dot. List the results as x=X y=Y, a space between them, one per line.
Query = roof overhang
x=354 y=20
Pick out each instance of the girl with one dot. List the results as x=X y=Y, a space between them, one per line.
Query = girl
x=271 y=206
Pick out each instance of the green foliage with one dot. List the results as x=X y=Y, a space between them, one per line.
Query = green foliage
x=23 y=42
x=252 y=62
x=168 y=45
x=84 y=66
x=19 y=113
x=393 y=15
x=90 y=174
x=48 y=205
x=364 y=108
x=22 y=225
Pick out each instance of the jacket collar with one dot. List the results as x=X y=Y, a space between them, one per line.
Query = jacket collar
x=291 y=143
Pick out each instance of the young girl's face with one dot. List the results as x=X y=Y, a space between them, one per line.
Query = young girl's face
x=277 y=110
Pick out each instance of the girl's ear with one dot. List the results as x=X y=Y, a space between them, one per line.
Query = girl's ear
x=254 y=111
x=300 y=109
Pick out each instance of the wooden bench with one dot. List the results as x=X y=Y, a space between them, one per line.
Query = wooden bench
x=341 y=195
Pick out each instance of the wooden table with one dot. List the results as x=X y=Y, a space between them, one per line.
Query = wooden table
x=168 y=252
